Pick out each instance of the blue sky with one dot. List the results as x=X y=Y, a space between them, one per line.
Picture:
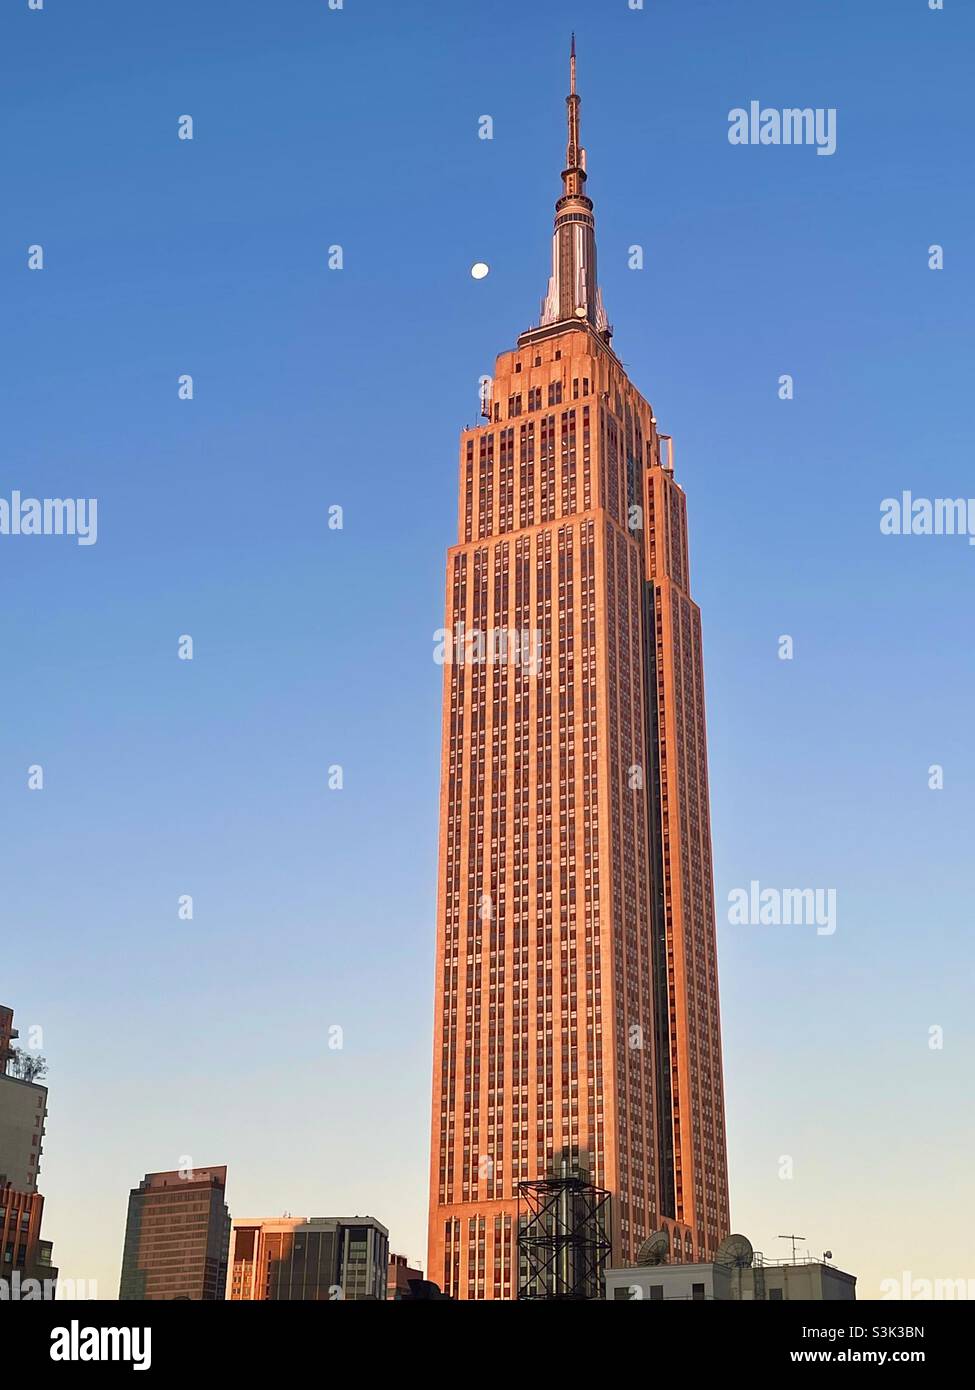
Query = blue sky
x=315 y=388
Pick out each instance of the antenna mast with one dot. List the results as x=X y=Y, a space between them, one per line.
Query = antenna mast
x=793 y=1239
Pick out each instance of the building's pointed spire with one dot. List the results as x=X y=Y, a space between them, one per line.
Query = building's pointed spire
x=573 y=293
x=573 y=154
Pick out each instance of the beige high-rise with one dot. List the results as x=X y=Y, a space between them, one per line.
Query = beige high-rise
x=576 y=985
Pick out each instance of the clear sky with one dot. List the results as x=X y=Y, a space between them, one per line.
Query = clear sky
x=315 y=387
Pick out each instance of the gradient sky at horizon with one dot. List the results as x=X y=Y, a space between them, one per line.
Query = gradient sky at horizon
x=313 y=387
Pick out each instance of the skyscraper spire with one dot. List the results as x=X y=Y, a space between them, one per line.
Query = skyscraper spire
x=574 y=157
x=573 y=292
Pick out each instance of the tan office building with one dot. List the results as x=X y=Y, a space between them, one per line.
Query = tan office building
x=576 y=1005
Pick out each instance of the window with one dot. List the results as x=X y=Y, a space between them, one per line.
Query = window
x=697 y=1293
x=657 y=1293
x=621 y=1294
x=775 y=1295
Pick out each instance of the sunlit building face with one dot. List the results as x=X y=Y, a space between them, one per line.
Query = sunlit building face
x=576 y=979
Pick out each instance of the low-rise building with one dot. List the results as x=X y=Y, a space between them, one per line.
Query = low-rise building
x=308 y=1259
x=737 y=1273
x=401 y=1275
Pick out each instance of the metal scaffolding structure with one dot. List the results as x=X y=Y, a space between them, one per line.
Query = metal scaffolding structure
x=563 y=1237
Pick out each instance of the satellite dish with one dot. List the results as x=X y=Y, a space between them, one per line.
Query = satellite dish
x=655 y=1249
x=735 y=1251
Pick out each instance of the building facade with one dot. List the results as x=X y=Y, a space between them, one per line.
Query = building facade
x=7 y=1034
x=401 y=1275
x=23 y=1114
x=576 y=998
x=809 y=1281
x=20 y=1229
x=317 y=1259
x=176 y=1237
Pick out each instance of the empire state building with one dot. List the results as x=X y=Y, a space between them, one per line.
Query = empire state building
x=576 y=974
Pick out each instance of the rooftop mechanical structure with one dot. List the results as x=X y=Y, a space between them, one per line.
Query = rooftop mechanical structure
x=563 y=1237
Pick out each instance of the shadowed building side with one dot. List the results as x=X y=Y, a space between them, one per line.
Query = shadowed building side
x=177 y=1235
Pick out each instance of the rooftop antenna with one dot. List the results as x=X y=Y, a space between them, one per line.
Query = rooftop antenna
x=655 y=1250
x=735 y=1252
x=793 y=1239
